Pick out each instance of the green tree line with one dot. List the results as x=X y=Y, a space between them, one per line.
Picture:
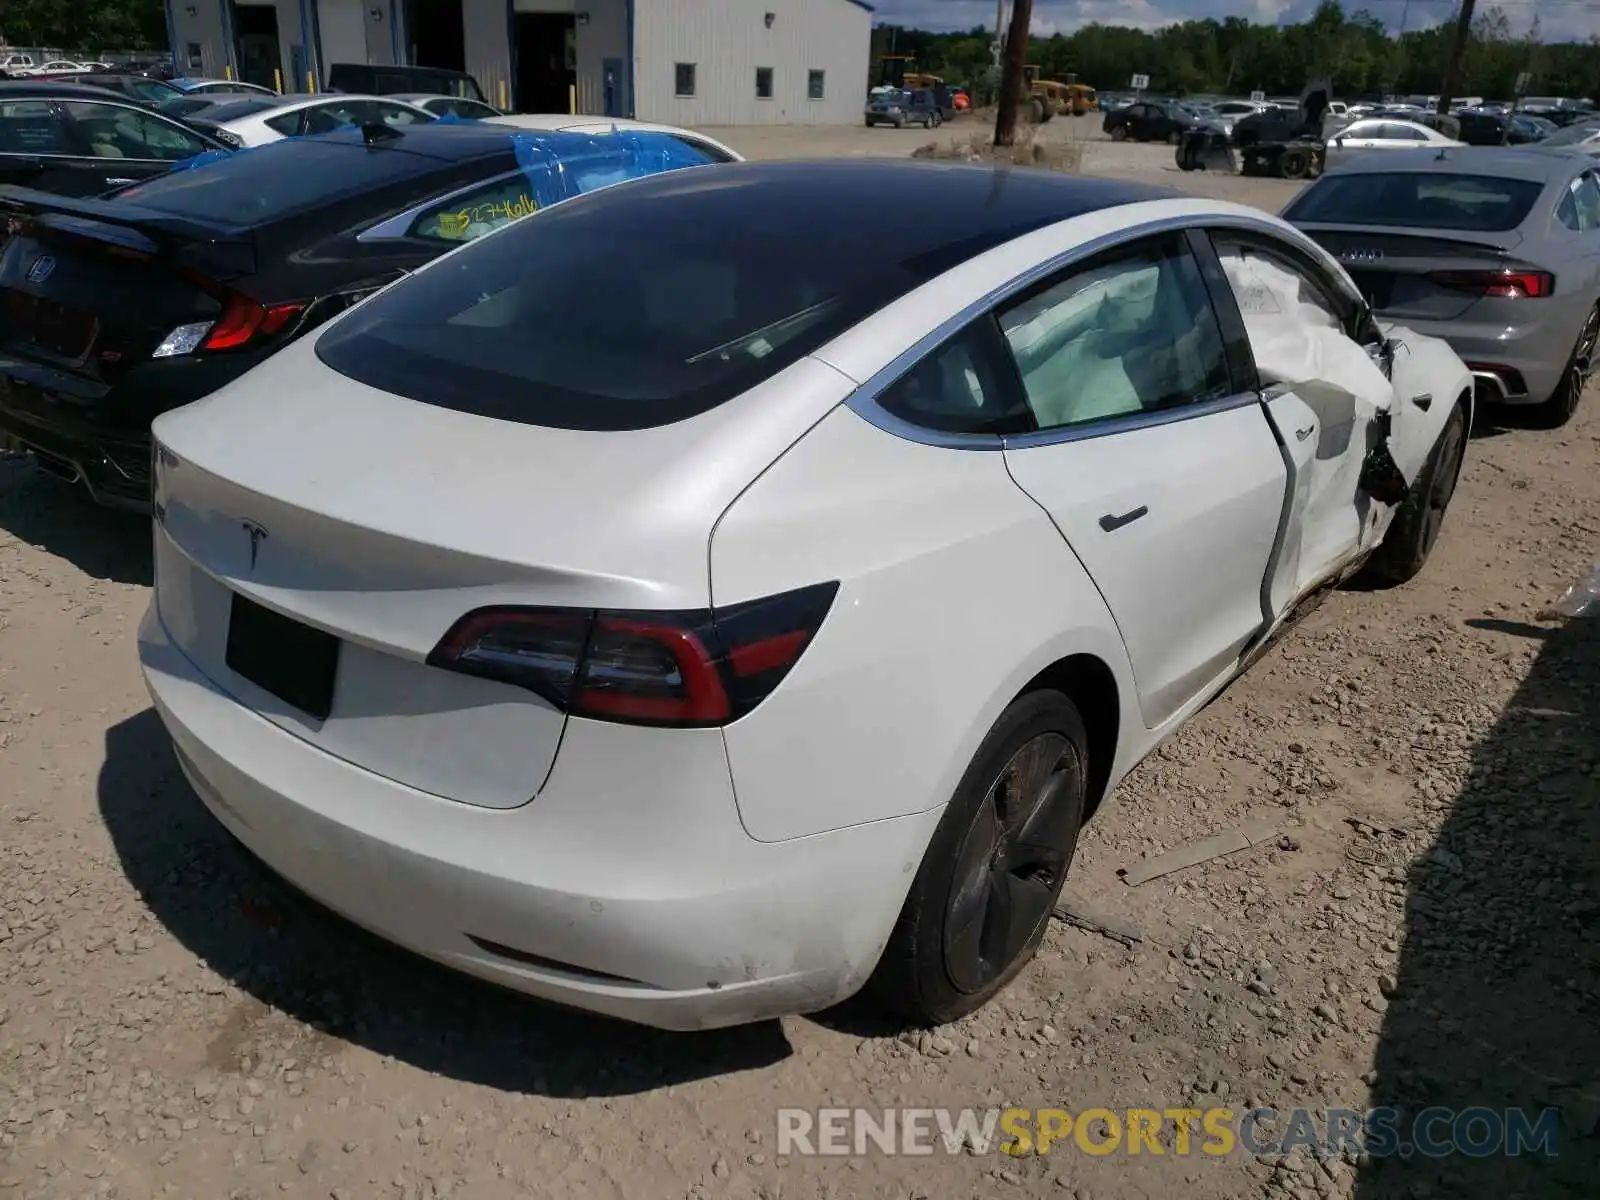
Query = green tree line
x=85 y=25
x=1235 y=57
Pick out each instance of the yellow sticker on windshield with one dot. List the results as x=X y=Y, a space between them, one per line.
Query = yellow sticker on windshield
x=478 y=219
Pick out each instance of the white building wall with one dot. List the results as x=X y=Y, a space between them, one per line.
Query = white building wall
x=487 y=37
x=343 y=26
x=728 y=39
x=206 y=28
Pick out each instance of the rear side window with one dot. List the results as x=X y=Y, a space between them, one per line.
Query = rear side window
x=274 y=181
x=1429 y=199
x=288 y=124
x=30 y=127
x=470 y=215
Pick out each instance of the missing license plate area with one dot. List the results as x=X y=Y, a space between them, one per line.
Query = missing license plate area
x=294 y=662
x=63 y=332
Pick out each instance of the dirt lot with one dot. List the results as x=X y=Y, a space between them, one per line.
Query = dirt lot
x=1421 y=930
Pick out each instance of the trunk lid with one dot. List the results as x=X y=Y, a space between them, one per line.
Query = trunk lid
x=90 y=287
x=381 y=521
x=1395 y=269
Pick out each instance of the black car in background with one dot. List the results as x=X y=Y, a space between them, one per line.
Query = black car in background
x=367 y=80
x=1497 y=129
x=142 y=89
x=81 y=141
x=114 y=310
x=1151 y=121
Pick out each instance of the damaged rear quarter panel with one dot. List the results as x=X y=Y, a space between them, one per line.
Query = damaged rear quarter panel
x=1428 y=379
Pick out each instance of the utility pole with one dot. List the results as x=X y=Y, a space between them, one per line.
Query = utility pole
x=999 y=41
x=1011 y=73
x=1452 y=67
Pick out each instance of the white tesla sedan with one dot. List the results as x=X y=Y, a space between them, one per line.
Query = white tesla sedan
x=722 y=591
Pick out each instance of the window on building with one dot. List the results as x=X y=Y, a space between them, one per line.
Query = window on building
x=814 y=85
x=683 y=79
x=763 y=83
x=192 y=53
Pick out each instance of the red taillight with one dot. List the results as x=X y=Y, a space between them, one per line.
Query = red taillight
x=243 y=320
x=1506 y=283
x=648 y=668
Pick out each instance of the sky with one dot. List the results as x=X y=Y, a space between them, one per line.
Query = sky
x=1559 y=20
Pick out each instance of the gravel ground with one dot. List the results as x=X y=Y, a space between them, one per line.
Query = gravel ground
x=1422 y=930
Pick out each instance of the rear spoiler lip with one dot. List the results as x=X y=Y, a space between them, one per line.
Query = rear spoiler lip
x=21 y=201
x=132 y=227
x=1502 y=240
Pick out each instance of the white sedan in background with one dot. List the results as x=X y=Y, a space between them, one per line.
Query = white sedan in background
x=296 y=115
x=1384 y=133
x=719 y=591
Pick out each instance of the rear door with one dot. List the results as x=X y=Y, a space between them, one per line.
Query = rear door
x=1153 y=459
x=123 y=143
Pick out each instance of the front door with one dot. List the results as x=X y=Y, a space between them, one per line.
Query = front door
x=611 y=86
x=1324 y=394
x=1165 y=480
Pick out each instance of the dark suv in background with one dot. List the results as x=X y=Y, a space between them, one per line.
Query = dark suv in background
x=365 y=80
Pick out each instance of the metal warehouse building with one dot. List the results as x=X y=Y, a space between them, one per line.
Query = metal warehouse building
x=687 y=62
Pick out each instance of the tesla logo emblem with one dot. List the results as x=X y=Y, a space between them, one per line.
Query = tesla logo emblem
x=1360 y=256
x=41 y=269
x=257 y=536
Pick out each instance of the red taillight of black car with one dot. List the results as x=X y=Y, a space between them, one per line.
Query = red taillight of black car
x=244 y=321
x=701 y=667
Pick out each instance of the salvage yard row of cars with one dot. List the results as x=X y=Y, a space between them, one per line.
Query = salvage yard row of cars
x=559 y=532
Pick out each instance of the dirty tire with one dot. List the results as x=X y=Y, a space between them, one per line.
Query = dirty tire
x=1563 y=402
x=1294 y=164
x=1119 y=133
x=1412 y=535
x=981 y=900
x=937 y=119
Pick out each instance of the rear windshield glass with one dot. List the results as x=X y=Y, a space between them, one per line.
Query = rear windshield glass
x=642 y=304
x=1427 y=199
x=213 y=109
x=274 y=181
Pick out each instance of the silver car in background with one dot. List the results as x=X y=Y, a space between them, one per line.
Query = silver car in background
x=1492 y=248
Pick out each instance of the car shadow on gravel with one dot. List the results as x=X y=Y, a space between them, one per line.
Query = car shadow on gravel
x=49 y=513
x=280 y=947
x=1497 y=1003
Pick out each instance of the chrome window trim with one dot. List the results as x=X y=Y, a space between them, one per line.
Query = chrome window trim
x=1130 y=422
x=397 y=226
x=864 y=400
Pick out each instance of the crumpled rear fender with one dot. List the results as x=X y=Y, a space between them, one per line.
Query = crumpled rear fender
x=1428 y=379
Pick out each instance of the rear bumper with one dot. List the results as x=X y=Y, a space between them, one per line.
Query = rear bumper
x=115 y=469
x=1537 y=352
x=628 y=887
